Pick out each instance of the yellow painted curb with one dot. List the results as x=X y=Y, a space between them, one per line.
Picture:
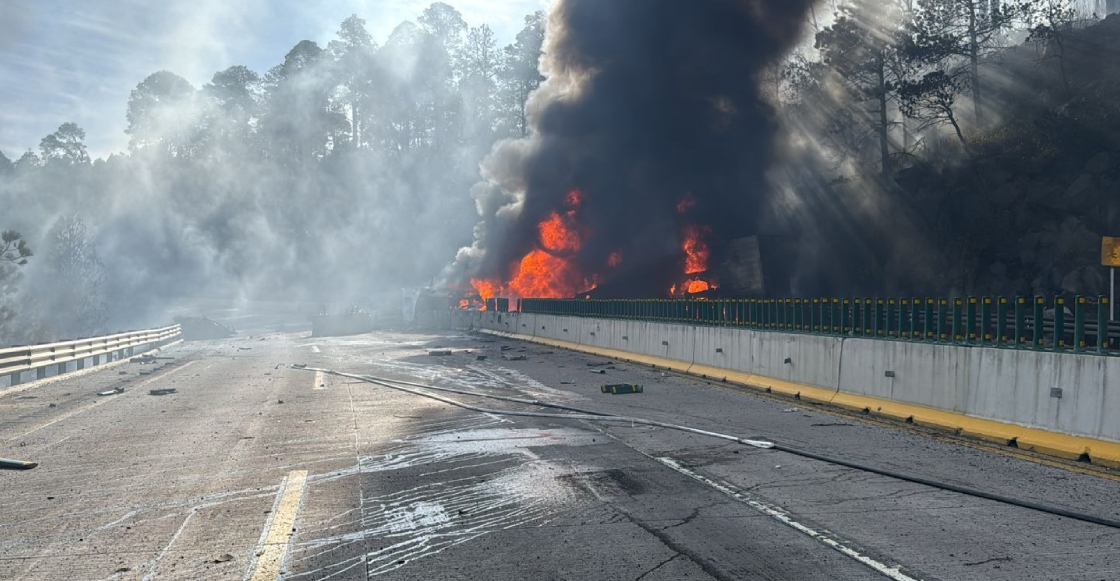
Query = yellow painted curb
x=1101 y=452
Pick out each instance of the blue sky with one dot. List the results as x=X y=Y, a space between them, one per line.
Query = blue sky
x=77 y=60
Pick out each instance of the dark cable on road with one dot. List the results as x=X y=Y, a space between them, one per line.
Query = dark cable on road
x=591 y=415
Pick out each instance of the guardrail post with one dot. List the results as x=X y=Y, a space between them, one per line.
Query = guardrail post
x=1020 y=321
x=14 y=378
x=986 y=320
x=868 y=312
x=1059 y=343
x=41 y=373
x=1039 y=322
x=1102 y=324
x=1079 y=324
x=970 y=321
x=956 y=323
x=1001 y=321
x=942 y=308
x=916 y=333
x=904 y=319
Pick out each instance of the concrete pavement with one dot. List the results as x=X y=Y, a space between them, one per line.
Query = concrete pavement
x=251 y=467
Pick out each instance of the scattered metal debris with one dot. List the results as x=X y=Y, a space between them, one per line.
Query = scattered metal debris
x=506 y=347
x=790 y=410
x=567 y=382
x=480 y=358
x=598 y=371
x=599 y=363
x=513 y=357
x=111 y=391
x=439 y=353
x=9 y=464
x=162 y=391
x=621 y=388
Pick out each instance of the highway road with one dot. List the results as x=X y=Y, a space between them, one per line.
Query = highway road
x=254 y=470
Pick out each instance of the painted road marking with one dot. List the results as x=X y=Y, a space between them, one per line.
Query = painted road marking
x=315 y=349
x=320 y=381
x=783 y=516
x=99 y=402
x=273 y=546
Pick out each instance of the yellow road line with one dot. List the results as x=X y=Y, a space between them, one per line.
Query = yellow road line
x=1102 y=453
x=274 y=542
x=320 y=381
x=97 y=403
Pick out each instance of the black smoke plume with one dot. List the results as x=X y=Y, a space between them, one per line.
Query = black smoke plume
x=646 y=102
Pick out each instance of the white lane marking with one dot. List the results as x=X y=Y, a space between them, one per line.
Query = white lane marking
x=315 y=349
x=163 y=553
x=781 y=515
x=320 y=381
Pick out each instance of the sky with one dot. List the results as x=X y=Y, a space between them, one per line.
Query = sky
x=76 y=60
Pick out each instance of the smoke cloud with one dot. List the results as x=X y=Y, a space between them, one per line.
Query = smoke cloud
x=647 y=103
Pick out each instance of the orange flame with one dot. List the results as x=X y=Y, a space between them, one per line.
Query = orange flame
x=559 y=234
x=695 y=248
x=464 y=304
x=487 y=289
x=697 y=285
x=614 y=259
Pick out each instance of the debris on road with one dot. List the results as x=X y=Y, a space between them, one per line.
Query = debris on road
x=480 y=358
x=122 y=373
x=244 y=348
x=223 y=558
x=790 y=410
x=567 y=382
x=621 y=388
x=9 y=464
x=599 y=363
x=598 y=371
x=111 y=391
x=162 y=391
x=513 y=357
x=439 y=353
x=299 y=365
x=506 y=347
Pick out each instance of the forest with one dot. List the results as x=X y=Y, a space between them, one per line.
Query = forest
x=924 y=146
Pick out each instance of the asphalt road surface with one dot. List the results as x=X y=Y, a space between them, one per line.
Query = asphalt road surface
x=254 y=470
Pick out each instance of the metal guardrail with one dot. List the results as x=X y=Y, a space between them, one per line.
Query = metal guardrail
x=16 y=360
x=1019 y=322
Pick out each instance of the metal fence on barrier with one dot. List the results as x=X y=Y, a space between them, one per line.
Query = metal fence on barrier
x=16 y=360
x=1020 y=322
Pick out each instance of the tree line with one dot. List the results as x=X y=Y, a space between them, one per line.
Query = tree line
x=892 y=72
x=340 y=168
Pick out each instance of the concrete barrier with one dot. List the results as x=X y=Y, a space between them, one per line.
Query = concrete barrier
x=1063 y=393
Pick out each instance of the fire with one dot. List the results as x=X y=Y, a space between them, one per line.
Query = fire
x=464 y=304
x=547 y=271
x=487 y=289
x=614 y=259
x=695 y=248
x=558 y=234
x=697 y=285
x=543 y=275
